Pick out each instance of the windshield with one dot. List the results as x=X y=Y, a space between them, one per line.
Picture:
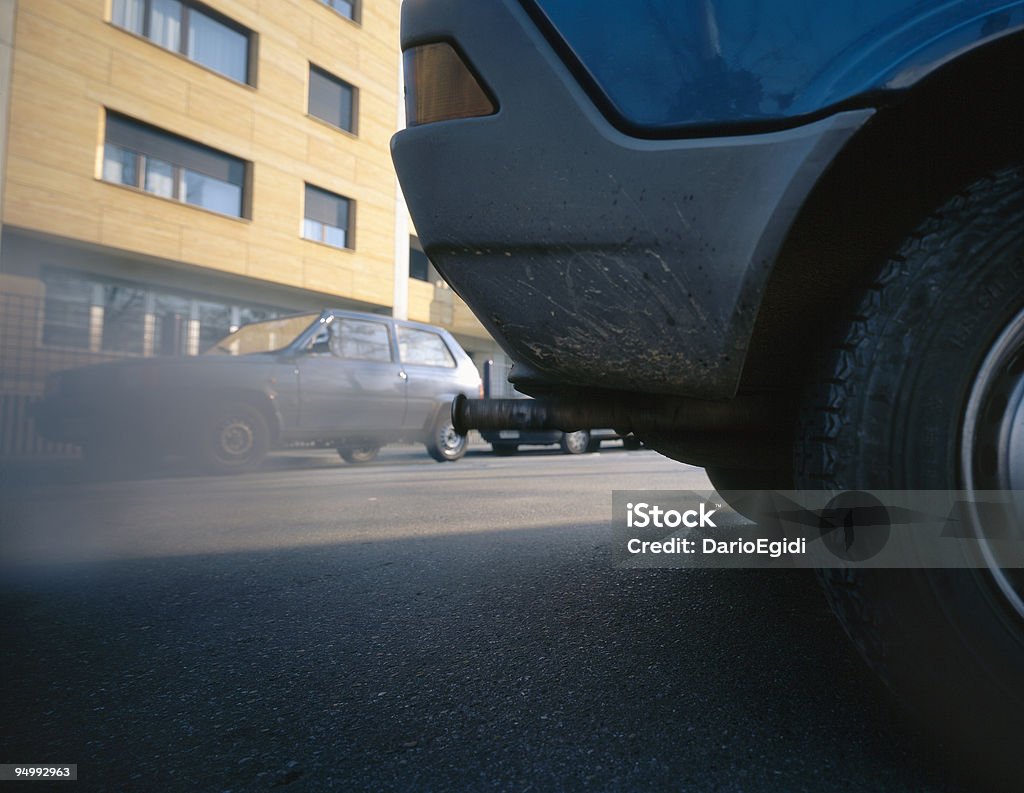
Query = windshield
x=269 y=336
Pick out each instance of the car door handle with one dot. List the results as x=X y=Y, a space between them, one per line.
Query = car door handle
x=403 y=375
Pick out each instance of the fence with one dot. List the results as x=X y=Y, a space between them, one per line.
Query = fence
x=39 y=337
x=18 y=436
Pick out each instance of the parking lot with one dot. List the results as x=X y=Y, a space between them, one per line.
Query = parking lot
x=406 y=625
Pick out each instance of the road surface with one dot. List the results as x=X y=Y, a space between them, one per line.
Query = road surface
x=413 y=626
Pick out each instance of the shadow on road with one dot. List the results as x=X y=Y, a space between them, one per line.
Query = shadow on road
x=16 y=474
x=503 y=660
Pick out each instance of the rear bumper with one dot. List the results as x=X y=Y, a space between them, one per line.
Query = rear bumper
x=595 y=258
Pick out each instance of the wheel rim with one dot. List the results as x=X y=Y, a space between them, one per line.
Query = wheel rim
x=451 y=442
x=363 y=453
x=993 y=444
x=236 y=439
x=576 y=442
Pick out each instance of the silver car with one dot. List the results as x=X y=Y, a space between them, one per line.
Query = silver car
x=349 y=380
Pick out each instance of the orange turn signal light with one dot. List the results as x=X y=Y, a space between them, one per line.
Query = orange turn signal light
x=439 y=86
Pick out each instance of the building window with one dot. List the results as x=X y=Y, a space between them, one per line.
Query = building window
x=124 y=318
x=66 y=311
x=214 y=322
x=332 y=100
x=347 y=8
x=328 y=218
x=420 y=267
x=144 y=157
x=120 y=317
x=193 y=30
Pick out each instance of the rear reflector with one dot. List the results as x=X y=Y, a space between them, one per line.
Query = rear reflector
x=439 y=86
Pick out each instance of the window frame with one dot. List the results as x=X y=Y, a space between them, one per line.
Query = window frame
x=187 y=7
x=350 y=230
x=179 y=169
x=335 y=332
x=330 y=76
x=357 y=11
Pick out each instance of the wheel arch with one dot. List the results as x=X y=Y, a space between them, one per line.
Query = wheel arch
x=256 y=399
x=883 y=182
x=443 y=408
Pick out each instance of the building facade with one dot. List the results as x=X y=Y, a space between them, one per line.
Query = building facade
x=173 y=169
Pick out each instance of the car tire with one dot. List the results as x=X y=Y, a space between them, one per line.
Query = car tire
x=504 y=449
x=234 y=438
x=577 y=442
x=897 y=407
x=444 y=444
x=359 y=454
x=631 y=443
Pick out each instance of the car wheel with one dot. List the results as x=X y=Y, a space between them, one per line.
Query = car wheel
x=446 y=445
x=925 y=391
x=632 y=443
x=357 y=454
x=234 y=438
x=504 y=449
x=576 y=442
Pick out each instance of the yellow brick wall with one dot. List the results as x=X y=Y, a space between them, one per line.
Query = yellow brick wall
x=465 y=322
x=421 y=294
x=70 y=63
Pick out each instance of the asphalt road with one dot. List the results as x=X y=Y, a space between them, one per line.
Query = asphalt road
x=414 y=626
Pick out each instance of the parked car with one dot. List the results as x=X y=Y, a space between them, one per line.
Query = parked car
x=784 y=241
x=507 y=442
x=351 y=380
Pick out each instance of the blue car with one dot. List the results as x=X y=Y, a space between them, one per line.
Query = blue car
x=783 y=241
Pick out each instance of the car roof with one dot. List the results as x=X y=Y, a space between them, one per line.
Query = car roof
x=339 y=312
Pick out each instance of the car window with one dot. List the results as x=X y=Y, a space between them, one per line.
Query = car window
x=269 y=336
x=424 y=348
x=360 y=340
